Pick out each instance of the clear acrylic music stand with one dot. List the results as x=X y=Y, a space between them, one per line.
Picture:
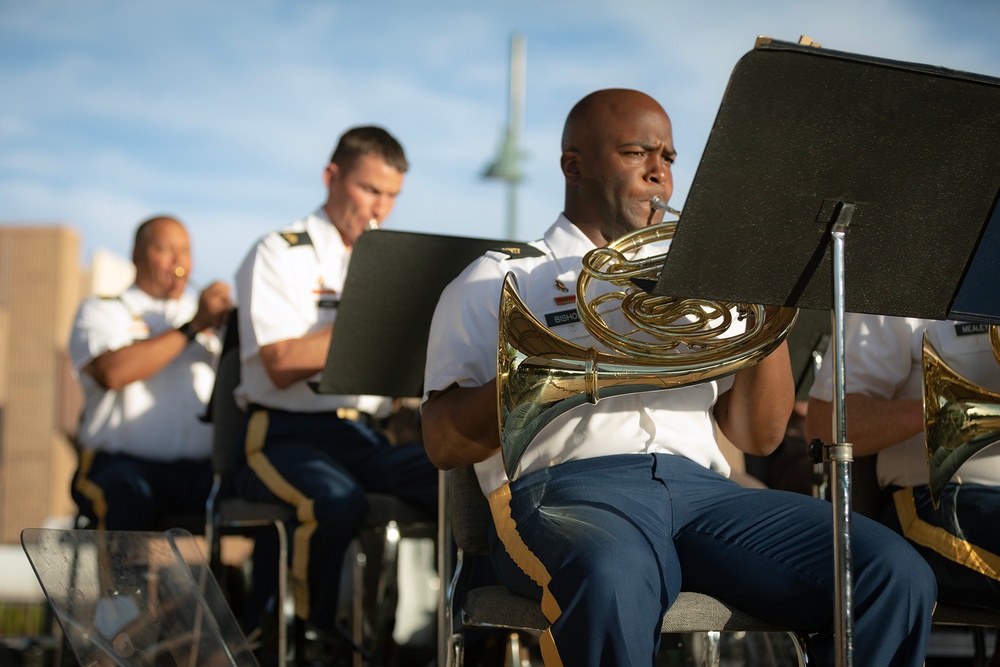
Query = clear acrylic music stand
x=135 y=599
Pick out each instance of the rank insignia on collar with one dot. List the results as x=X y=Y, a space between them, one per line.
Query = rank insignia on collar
x=518 y=251
x=296 y=238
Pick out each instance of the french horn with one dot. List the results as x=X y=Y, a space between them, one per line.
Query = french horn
x=673 y=342
x=960 y=417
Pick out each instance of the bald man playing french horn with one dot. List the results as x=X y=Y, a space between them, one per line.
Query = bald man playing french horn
x=622 y=504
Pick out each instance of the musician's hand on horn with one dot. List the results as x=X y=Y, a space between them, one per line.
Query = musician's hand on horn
x=770 y=312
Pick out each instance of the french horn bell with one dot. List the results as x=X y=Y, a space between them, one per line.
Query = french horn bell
x=675 y=342
x=961 y=418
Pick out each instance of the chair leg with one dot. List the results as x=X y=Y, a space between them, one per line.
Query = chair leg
x=386 y=595
x=387 y=583
x=799 y=642
x=358 y=604
x=282 y=593
x=711 y=654
x=979 y=647
x=456 y=651
x=513 y=650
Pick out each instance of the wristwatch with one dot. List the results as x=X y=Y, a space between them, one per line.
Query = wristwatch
x=188 y=330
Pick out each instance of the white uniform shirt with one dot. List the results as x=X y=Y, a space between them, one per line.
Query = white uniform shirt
x=288 y=286
x=462 y=351
x=158 y=418
x=883 y=359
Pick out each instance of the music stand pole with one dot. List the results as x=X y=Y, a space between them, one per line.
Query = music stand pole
x=841 y=454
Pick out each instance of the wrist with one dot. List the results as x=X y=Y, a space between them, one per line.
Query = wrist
x=189 y=330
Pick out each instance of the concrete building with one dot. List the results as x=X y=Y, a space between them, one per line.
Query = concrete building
x=41 y=284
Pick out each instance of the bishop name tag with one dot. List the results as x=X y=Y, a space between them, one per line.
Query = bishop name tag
x=562 y=317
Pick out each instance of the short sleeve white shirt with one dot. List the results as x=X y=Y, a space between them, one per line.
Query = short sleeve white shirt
x=883 y=359
x=157 y=418
x=462 y=350
x=289 y=286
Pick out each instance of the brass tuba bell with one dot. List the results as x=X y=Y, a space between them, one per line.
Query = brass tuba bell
x=960 y=417
x=675 y=343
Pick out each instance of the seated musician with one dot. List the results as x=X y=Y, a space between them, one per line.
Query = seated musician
x=320 y=453
x=885 y=416
x=146 y=361
x=622 y=504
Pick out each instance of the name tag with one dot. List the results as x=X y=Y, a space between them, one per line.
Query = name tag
x=969 y=328
x=328 y=303
x=562 y=317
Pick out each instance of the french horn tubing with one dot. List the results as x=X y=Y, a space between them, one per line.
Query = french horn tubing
x=960 y=417
x=673 y=342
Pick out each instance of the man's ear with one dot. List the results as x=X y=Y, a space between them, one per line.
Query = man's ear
x=331 y=172
x=570 y=163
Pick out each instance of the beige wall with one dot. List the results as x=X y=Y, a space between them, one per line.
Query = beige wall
x=40 y=288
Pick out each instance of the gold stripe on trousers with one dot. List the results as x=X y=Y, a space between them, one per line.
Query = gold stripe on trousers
x=525 y=559
x=89 y=489
x=279 y=486
x=940 y=540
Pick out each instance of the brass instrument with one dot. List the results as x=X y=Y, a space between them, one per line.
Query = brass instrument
x=674 y=343
x=960 y=417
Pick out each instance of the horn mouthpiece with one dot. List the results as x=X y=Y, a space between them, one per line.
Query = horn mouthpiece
x=659 y=203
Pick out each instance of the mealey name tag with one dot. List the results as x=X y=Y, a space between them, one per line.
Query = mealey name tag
x=968 y=328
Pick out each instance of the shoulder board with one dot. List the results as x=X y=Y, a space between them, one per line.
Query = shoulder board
x=518 y=250
x=296 y=238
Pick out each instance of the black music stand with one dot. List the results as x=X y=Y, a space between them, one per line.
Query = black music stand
x=379 y=343
x=812 y=145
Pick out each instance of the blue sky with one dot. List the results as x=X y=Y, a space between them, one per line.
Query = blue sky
x=224 y=113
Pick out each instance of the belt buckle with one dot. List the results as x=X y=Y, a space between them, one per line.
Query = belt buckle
x=350 y=414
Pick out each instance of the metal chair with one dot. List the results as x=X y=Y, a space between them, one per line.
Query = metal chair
x=227 y=513
x=977 y=620
x=388 y=518
x=463 y=517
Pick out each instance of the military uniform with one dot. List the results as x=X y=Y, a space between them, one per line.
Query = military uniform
x=883 y=360
x=144 y=448
x=319 y=453
x=622 y=504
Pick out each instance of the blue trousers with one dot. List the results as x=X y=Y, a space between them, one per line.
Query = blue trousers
x=324 y=466
x=959 y=539
x=121 y=492
x=607 y=544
